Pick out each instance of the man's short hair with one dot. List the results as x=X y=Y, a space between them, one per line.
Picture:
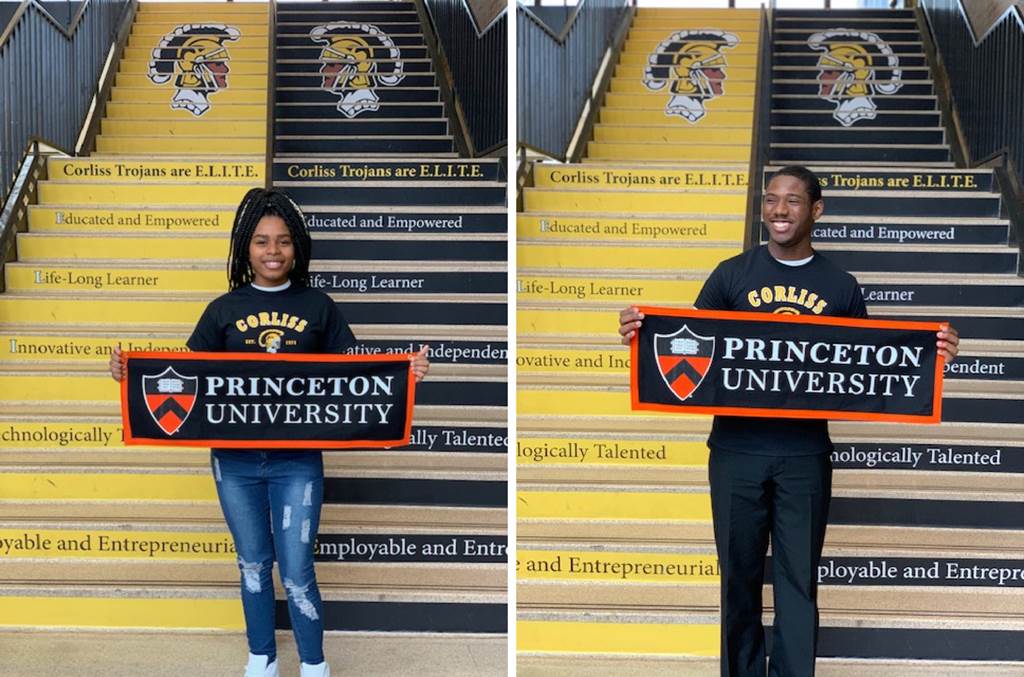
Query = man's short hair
x=807 y=176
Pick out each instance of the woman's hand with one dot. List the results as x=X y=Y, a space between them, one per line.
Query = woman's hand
x=948 y=343
x=117 y=367
x=420 y=363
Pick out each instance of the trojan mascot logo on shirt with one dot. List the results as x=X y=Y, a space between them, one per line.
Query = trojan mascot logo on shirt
x=195 y=56
x=849 y=69
x=357 y=58
x=691 y=64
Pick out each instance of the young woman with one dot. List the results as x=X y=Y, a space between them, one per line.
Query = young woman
x=271 y=499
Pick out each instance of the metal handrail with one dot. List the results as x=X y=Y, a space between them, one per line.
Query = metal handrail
x=268 y=161
x=761 y=132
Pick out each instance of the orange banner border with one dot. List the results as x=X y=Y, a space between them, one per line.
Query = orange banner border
x=637 y=405
x=130 y=438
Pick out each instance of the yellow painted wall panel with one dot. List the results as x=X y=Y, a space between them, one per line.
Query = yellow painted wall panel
x=235 y=80
x=21 y=347
x=673 y=131
x=636 y=201
x=185 y=193
x=107 y=544
x=106 y=312
x=52 y=486
x=586 y=402
x=164 y=94
x=161 y=111
x=738 y=89
x=720 y=118
x=62 y=278
x=675 y=152
x=618 y=290
x=614 y=505
x=586 y=451
x=89 y=220
x=572 y=227
x=609 y=257
x=176 y=128
x=37 y=248
x=141 y=145
x=615 y=567
x=549 y=175
x=102 y=170
x=572 y=361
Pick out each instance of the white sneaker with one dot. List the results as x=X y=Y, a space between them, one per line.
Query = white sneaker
x=318 y=670
x=258 y=667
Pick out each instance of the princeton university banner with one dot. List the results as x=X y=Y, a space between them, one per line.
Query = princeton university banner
x=243 y=400
x=788 y=366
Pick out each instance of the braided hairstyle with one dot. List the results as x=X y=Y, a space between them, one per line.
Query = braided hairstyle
x=256 y=204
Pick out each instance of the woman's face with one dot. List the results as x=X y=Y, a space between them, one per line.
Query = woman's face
x=271 y=252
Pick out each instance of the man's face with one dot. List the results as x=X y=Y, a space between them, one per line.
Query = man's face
x=788 y=212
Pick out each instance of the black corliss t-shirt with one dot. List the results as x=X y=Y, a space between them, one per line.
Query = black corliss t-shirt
x=755 y=281
x=293 y=320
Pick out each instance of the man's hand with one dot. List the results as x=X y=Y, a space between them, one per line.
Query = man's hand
x=948 y=343
x=420 y=363
x=629 y=323
x=117 y=367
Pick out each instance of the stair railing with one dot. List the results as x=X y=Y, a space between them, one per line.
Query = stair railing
x=761 y=134
x=986 y=79
x=268 y=154
x=556 y=72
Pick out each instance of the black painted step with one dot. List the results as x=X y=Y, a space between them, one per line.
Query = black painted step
x=307 y=66
x=931 y=179
x=824 y=153
x=288 y=20
x=882 y=119
x=311 y=51
x=950 y=513
x=814 y=87
x=905 y=643
x=355 y=6
x=419 y=222
x=889 y=102
x=430 y=171
x=983 y=410
x=985 y=327
x=982 y=263
x=443 y=617
x=783 y=45
x=859 y=134
x=360 y=127
x=831 y=14
x=937 y=455
x=785 y=21
x=944 y=295
x=406 y=195
x=400 y=24
x=984 y=205
x=385 y=94
x=786 y=33
x=412 y=250
x=944 y=232
x=808 y=58
x=447 y=312
x=313 y=79
x=386 y=110
x=408 y=283
x=345 y=146
x=989 y=368
x=303 y=40
x=811 y=73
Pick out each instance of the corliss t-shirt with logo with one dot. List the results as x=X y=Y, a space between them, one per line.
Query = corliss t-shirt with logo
x=293 y=320
x=756 y=282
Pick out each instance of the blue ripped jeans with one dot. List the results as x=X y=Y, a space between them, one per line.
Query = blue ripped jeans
x=271 y=501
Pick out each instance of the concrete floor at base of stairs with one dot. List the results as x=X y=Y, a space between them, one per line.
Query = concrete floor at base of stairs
x=120 y=654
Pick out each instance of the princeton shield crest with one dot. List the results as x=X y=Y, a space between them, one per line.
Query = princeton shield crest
x=169 y=398
x=683 y=360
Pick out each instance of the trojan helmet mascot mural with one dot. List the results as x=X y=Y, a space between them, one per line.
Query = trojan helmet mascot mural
x=357 y=59
x=854 y=67
x=691 y=64
x=196 y=57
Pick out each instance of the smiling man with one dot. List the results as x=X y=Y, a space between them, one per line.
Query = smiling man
x=774 y=476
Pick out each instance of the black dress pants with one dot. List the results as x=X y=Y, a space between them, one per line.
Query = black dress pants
x=754 y=497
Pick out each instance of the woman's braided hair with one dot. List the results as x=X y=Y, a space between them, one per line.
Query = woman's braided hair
x=256 y=204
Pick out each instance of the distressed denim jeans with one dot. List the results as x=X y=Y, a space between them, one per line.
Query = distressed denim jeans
x=271 y=501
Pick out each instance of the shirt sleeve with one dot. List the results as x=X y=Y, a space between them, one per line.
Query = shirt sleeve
x=338 y=335
x=207 y=336
x=714 y=295
x=857 y=307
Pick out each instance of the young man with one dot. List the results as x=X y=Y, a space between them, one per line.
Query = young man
x=774 y=476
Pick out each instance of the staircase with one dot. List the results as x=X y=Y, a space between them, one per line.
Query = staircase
x=128 y=245
x=616 y=560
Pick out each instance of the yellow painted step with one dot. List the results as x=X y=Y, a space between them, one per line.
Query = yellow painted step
x=70 y=347
x=65 y=435
x=121 y=544
x=619 y=291
x=636 y=69
x=237 y=54
x=731 y=88
x=161 y=111
x=53 y=486
x=583 y=451
x=61 y=192
x=615 y=567
x=699 y=15
x=649 y=42
x=639 y=59
x=236 y=67
x=119 y=612
x=190 y=8
x=235 y=80
x=608 y=505
x=68 y=278
x=43 y=219
x=550 y=175
x=252 y=34
x=648 y=27
x=673 y=131
x=592 y=402
x=164 y=93
x=33 y=248
x=719 y=118
x=636 y=201
x=553 y=227
x=100 y=169
x=211 y=14
x=556 y=360
x=103 y=312
x=573 y=256
x=594 y=324
x=617 y=638
x=185 y=146
x=695 y=22
x=658 y=100
x=662 y=152
x=184 y=128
